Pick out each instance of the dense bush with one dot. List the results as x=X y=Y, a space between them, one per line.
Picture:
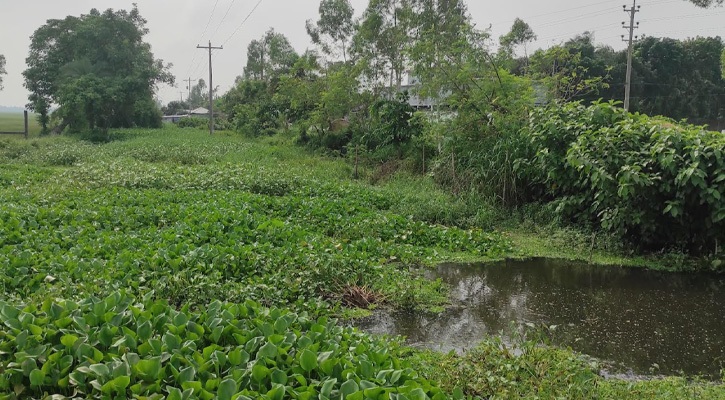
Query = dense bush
x=202 y=123
x=121 y=346
x=649 y=179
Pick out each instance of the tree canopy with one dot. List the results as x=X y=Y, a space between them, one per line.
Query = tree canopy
x=706 y=3
x=2 y=70
x=97 y=69
x=271 y=54
x=332 y=32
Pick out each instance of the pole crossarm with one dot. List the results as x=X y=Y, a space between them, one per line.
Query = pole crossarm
x=630 y=42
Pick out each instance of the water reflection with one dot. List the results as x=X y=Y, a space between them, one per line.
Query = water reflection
x=633 y=317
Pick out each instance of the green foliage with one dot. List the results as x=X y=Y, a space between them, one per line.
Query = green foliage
x=706 y=3
x=269 y=57
x=394 y=122
x=123 y=346
x=2 y=70
x=654 y=181
x=520 y=35
x=193 y=122
x=176 y=108
x=565 y=74
x=171 y=216
x=333 y=30
x=527 y=368
x=96 y=86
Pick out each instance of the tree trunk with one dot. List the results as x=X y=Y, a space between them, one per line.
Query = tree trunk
x=59 y=129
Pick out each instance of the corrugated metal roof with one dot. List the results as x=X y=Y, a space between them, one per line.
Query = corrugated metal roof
x=199 y=111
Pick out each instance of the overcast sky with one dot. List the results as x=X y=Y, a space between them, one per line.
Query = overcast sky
x=177 y=26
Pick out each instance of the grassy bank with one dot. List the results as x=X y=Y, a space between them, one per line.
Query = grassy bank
x=13 y=122
x=141 y=235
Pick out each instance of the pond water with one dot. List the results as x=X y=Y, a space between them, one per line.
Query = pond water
x=633 y=318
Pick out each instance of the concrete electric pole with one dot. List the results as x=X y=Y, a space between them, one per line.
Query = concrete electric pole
x=632 y=38
x=211 y=86
x=188 y=87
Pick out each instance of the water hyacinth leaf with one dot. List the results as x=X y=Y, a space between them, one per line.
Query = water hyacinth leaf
x=308 y=360
x=37 y=377
x=227 y=389
x=417 y=394
x=278 y=376
x=144 y=331
x=187 y=374
x=268 y=350
x=327 y=387
x=149 y=370
x=276 y=393
x=349 y=387
x=117 y=385
x=259 y=372
x=100 y=370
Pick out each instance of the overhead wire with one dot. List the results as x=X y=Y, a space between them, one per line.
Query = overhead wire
x=223 y=18
x=193 y=60
x=243 y=22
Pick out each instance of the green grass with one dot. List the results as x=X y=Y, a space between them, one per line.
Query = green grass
x=13 y=122
x=529 y=370
x=174 y=219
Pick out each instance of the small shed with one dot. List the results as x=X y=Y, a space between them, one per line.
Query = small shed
x=199 y=112
x=173 y=118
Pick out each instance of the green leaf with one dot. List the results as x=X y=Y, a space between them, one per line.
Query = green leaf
x=144 y=331
x=227 y=389
x=37 y=377
x=348 y=388
x=327 y=387
x=68 y=340
x=279 y=376
x=117 y=385
x=276 y=393
x=149 y=370
x=308 y=360
x=100 y=370
x=259 y=372
x=268 y=350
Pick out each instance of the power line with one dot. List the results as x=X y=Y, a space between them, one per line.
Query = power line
x=243 y=22
x=223 y=18
x=211 y=16
x=555 y=12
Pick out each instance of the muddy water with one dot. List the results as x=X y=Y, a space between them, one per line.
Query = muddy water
x=642 y=321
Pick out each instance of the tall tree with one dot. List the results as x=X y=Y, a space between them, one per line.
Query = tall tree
x=521 y=34
x=2 y=70
x=198 y=95
x=706 y=3
x=97 y=69
x=270 y=55
x=443 y=30
x=383 y=38
x=332 y=32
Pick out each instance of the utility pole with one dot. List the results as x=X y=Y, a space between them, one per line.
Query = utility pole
x=211 y=86
x=188 y=86
x=632 y=38
x=181 y=96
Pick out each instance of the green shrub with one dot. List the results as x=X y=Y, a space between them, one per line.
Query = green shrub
x=649 y=179
x=193 y=122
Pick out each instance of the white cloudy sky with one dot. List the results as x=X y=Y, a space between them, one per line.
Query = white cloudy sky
x=177 y=26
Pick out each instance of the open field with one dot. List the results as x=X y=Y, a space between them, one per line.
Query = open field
x=214 y=265
x=13 y=122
